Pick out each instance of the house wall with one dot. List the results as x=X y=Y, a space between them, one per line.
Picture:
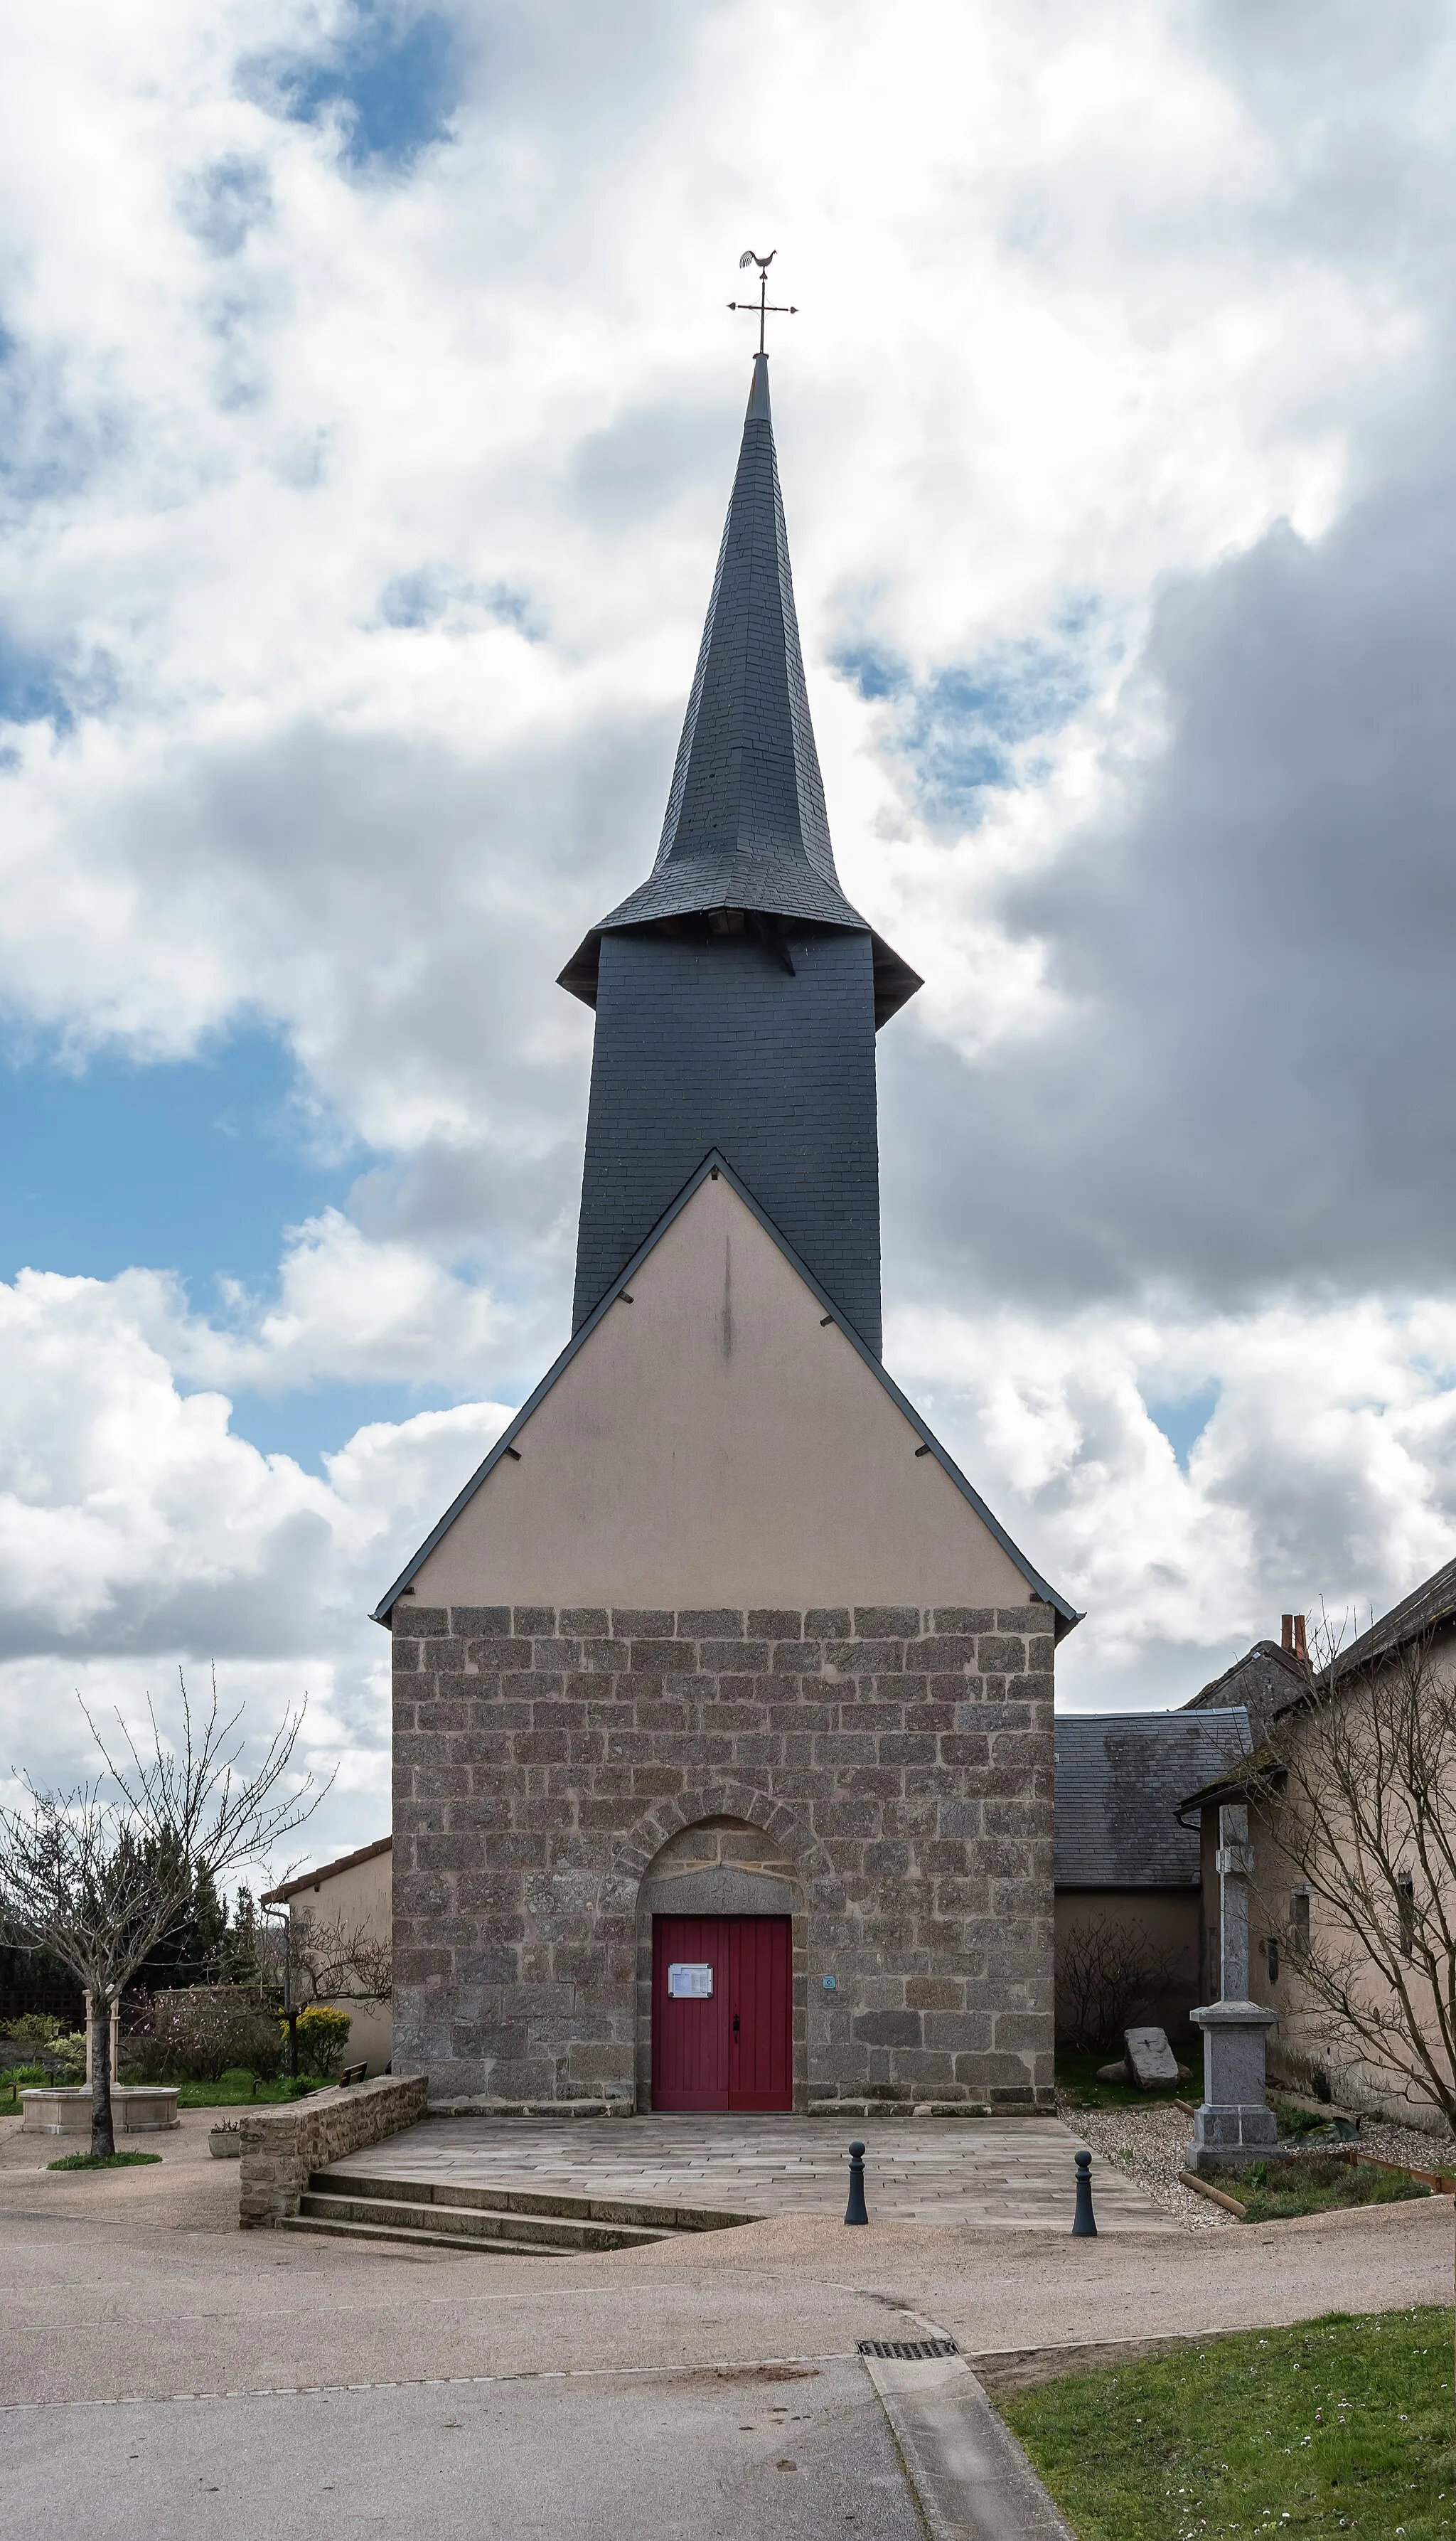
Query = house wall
x=887 y=1771
x=1167 y=1920
x=360 y=1895
x=1303 y=2048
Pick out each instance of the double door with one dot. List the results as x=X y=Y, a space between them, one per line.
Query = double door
x=722 y=2011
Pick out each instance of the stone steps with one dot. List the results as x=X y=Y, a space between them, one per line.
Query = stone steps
x=534 y=2222
x=407 y=2236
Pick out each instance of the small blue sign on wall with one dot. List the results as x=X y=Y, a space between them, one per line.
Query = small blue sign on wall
x=831 y=1985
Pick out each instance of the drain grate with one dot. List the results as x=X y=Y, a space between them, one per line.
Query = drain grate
x=911 y=2350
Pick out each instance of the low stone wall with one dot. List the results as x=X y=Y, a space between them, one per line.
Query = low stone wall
x=281 y=2147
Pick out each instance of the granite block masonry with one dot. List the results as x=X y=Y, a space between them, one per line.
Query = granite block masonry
x=885 y=1775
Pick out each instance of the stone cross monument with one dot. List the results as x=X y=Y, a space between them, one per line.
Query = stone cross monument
x=1235 y=2125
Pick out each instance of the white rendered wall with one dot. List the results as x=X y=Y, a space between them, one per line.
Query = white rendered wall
x=714 y=1444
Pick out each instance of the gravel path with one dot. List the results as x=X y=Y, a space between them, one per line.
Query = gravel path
x=1409 y=2144
x=1146 y=2145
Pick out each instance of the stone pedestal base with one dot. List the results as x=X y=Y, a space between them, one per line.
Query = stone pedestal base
x=1235 y=2125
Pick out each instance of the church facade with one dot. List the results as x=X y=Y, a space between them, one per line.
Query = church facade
x=723 y=1766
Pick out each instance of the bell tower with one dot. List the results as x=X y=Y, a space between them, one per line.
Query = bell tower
x=737 y=992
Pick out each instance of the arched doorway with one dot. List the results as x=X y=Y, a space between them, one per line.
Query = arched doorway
x=718 y=1910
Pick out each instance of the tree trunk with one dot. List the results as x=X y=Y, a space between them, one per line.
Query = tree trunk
x=103 y=2140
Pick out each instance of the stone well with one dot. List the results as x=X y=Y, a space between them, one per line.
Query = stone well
x=137 y=2109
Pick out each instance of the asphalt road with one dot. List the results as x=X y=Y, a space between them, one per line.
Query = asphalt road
x=749 y=2453
x=647 y=2392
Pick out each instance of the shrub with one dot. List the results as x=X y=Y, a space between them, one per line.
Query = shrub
x=1107 y=1972
x=68 y=2054
x=195 y=2033
x=36 y=2028
x=323 y=2034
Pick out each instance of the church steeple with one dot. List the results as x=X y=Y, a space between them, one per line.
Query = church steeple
x=737 y=991
x=745 y=826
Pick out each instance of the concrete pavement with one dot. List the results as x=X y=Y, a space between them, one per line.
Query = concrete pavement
x=1015 y=2172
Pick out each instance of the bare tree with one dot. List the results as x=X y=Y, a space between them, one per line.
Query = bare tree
x=99 y=1874
x=1357 y=1781
x=330 y=1958
x=1107 y=1971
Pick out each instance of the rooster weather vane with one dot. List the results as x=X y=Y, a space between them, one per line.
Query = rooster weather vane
x=762 y=308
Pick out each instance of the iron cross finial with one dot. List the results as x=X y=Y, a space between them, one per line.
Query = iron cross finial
x=762 y=308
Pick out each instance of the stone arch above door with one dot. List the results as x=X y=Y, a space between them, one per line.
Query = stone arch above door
x=703 y=1854
x=729 y=1803
x=721 y=1866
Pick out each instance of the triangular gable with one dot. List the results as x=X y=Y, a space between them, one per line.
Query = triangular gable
x=801 y=1472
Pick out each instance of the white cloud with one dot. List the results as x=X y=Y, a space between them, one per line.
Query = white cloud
x=358 y=523
x=1326 y=1468
x=138 y=1532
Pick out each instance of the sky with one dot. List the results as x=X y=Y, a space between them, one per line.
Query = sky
x=369 y=404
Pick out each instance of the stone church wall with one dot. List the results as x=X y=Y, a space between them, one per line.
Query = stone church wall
x=889 y=1772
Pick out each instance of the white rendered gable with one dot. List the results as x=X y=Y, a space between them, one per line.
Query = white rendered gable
x=718 y=1442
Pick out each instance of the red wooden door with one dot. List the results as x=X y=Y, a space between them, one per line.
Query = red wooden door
x=731 y=2048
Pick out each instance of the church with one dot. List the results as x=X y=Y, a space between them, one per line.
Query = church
x=723 y=1747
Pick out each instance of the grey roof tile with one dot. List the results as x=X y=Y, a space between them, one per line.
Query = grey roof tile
x=1120 y=1777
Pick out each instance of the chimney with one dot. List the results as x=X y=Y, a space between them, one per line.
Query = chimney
x=1287 y=1632
x=1293 y=1636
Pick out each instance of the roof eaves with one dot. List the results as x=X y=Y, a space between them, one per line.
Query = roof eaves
x=714 y=1163
x=326 y=1871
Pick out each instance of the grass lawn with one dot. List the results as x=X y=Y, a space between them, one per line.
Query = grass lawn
x=101 y=2160
x=1339 y=2426
x=1076 y=2076
x=1314 y=2183
x=236 y=2091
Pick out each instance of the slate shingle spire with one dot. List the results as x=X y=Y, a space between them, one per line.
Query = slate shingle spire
x=737 y=991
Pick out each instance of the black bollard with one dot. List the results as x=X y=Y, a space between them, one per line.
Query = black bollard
x=1084 y=2222
x=854 y=2211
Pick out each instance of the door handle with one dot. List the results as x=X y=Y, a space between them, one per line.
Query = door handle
x=736 y=2024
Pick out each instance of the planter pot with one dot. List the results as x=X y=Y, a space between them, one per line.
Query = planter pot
x=225 y=2144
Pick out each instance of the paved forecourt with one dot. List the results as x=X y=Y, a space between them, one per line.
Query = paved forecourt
x=1018 y=2173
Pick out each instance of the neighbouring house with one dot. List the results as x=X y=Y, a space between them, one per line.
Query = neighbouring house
x=1261 y=1682
x=340 y=1912
x=1286 y=1914
x=1126 y=1868
x=721 y=1701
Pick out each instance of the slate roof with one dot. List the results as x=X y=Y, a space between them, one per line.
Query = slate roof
x=1263 y=1681
x=1432 y=1604
x=745 y=825
x=1120 y=1777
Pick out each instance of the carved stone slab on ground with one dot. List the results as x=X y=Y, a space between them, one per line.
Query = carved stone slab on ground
x=1151 y=2062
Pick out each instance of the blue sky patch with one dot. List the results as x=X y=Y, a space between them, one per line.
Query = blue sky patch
x=970 y=729
x=425 y=596
x=1184 y=1419
x=31 y=687
x=195 y=1166
x=395 y=76
x=312 y=1423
